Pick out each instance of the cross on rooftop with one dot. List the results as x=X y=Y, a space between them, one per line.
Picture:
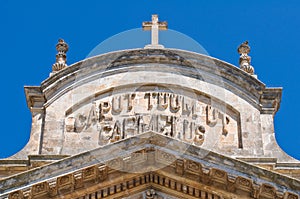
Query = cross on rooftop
x=155 y=26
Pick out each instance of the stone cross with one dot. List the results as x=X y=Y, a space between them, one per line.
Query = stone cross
x=154 y=26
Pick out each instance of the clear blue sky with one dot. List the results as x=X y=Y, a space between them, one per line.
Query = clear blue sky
x=30 y=29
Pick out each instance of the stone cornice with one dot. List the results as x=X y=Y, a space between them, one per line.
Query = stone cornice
x=189 y=64
x=270 y=100
x=35 y=98
x=151 y=153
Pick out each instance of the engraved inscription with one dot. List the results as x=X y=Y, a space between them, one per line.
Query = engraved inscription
x=125 y=115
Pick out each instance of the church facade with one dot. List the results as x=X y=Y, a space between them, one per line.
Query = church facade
x=151 y=123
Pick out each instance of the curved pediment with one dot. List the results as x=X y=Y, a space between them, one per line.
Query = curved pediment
x=191 y=97
x=167 y=61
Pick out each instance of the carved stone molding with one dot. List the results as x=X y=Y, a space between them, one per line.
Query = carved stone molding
x=157 y=163
x=35 y=98
x=194 y=176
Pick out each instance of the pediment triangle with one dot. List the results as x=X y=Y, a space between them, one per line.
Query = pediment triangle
x=149 y=156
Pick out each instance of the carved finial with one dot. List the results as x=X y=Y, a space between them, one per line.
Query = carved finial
x=245 y=59
x=61 y=57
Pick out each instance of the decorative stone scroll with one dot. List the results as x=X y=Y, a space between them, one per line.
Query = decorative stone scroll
x=184 y=118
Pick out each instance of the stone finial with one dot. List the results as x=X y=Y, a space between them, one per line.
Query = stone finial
x=245 y=59
x=61 y=57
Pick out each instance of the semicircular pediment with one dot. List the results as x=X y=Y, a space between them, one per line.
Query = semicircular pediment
x=188 y=96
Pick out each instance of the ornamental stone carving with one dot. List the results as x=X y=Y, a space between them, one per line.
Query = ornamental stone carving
x=245 y=59
x=125 y=115
x=151 y=194
x=61 y=57
x=16 y=195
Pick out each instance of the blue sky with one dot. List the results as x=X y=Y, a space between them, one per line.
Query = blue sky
x=30 y=29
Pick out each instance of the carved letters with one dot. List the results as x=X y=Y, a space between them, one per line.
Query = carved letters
x=122 y=116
